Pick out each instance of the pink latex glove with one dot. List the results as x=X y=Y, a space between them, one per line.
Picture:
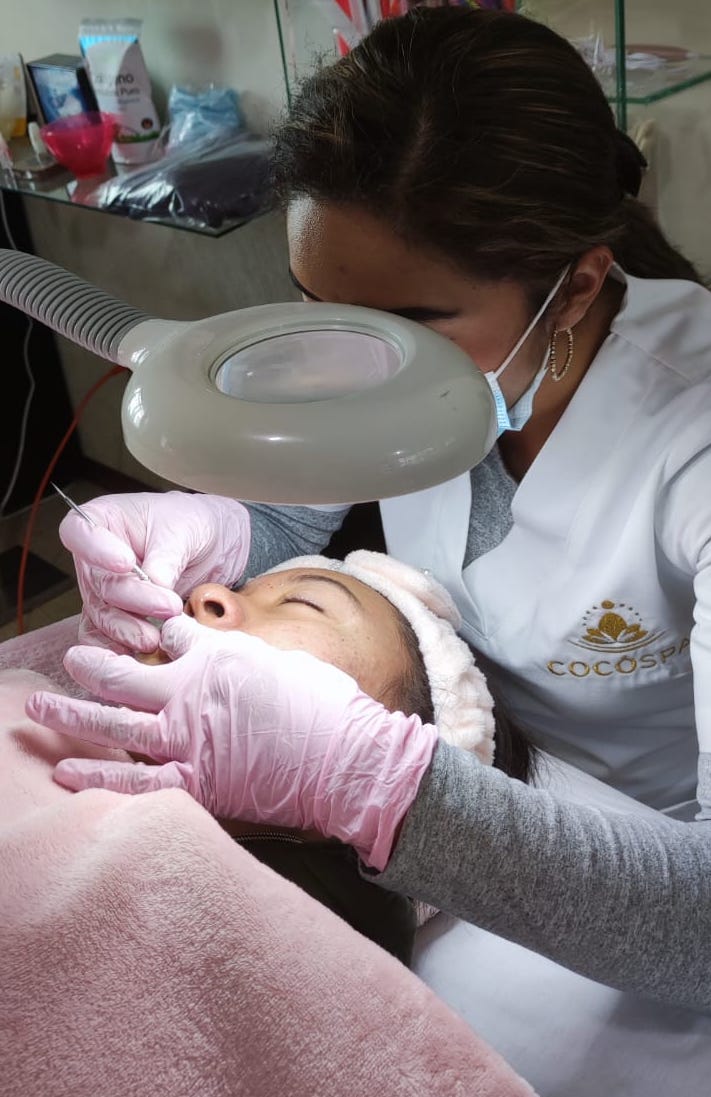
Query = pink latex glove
x=180 y=540
x=252 y=732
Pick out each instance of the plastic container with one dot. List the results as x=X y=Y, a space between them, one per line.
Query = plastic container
x=81 y=142
x=122 y=86
x=13 y=103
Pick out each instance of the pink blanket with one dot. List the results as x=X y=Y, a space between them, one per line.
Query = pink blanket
x=145 y=953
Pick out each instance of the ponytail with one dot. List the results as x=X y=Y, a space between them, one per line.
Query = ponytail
x=643 y=250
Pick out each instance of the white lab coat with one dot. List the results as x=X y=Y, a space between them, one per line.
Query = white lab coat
x=593 y=616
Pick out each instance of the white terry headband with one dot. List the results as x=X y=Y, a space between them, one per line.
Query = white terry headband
x=460 y=697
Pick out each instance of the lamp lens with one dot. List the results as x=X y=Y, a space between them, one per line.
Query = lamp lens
x=307 y=366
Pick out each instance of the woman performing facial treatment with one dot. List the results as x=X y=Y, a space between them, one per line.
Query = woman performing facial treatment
x=462 y=168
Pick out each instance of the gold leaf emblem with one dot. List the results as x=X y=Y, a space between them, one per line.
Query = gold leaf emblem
x=614 y=631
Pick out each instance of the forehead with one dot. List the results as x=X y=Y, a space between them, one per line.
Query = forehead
x=344 y=253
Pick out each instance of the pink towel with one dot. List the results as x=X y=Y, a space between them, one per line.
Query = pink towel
x=145 y=953
x=43 y=651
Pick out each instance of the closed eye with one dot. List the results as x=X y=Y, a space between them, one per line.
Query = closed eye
x=302 y=602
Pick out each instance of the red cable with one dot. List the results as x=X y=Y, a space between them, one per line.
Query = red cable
x=29 y=530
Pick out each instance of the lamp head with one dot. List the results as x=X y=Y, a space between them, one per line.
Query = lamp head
x=303 y=403
x=287 y=403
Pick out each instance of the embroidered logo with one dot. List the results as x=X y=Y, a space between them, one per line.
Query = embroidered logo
x=610 y=631
x=613 y=631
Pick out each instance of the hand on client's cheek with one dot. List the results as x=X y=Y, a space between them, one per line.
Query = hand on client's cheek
x=208 y=616
x=158 y=657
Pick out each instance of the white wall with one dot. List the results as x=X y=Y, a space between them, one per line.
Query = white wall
x=243 y=32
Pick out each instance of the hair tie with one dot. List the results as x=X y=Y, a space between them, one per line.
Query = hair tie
x=630 y=164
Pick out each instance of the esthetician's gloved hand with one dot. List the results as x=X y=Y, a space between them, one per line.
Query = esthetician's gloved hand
x=180 y=540
x=252 y=732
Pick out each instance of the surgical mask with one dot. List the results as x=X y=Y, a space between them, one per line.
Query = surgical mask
x=518 y=415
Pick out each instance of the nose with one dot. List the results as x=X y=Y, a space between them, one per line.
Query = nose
x=216 y=606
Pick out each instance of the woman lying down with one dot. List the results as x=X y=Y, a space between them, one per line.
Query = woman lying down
x=392 y=629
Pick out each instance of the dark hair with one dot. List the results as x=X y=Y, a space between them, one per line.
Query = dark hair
x=481 y=136
x=514 y=752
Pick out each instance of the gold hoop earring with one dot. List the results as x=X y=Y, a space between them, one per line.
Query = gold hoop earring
x=559 y=374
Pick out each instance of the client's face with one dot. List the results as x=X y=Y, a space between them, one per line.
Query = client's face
x=330 y=615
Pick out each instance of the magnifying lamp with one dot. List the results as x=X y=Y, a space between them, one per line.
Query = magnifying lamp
x=284 y=403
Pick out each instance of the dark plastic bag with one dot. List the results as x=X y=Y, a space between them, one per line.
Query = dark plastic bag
x=206 y=184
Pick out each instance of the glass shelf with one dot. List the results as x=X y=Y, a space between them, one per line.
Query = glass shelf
x=306 y=33
x=640 y=50
x=643 y=86
x=67 y=190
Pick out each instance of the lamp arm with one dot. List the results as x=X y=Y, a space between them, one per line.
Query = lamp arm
x=66 y=304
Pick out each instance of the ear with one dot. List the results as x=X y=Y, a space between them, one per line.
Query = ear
x=582 y=287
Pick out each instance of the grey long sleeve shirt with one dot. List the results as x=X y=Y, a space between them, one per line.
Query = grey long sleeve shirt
x=621 y=898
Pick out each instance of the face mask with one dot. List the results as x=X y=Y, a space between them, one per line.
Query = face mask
x=517 y=417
